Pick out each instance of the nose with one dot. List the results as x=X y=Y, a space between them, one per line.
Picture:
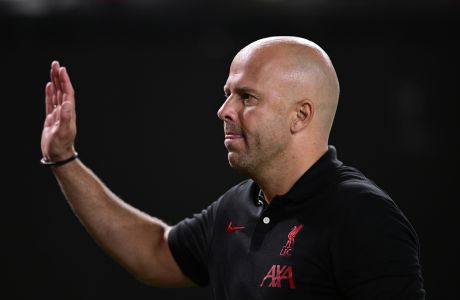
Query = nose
x=227 y=111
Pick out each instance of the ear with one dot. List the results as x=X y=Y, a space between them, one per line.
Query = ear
x=303 y=115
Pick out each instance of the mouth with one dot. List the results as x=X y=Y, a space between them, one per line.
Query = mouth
x=232 y=131
x=232 y=138
x=232 y=135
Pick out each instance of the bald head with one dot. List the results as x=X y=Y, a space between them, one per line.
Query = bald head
x=302 y=69
x=281 y=98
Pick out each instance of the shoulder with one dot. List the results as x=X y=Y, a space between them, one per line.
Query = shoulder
x=362 y=204
x=366 y=210
x=241 y=192
x=354 y=189
x=243 y=187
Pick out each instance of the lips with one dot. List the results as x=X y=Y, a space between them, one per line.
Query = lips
x=232 y=135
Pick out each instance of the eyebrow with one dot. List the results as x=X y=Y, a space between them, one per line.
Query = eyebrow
x=243 y=90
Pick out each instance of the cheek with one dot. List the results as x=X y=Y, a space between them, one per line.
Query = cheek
x=267 y=129
x=277 y=131
x=249 y=119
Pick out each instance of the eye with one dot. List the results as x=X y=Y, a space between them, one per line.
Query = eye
x=248 y=99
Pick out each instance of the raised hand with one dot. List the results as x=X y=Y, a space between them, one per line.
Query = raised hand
x=59 y=129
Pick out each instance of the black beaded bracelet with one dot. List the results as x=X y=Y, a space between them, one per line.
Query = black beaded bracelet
x=45 y=162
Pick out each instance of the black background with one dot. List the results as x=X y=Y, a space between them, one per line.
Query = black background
x=149 y=82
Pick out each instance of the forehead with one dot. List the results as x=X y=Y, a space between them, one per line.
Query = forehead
x=268 y=71
x=252 y=69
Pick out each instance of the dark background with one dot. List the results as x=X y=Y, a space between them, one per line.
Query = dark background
x=149 y=80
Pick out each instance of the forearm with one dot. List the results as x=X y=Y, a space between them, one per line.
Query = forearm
x=127 y=234
x=135 y=240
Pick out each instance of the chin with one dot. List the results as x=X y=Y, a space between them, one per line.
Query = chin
x=234 y=160
x=237 y=163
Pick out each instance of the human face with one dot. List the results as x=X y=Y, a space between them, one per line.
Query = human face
x=255 y=115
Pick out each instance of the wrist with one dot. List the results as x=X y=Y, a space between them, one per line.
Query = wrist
x=47 y=162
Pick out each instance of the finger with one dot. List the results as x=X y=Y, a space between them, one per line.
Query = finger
x=53 y=95
x=65 y=121
x=56 y=85
x=55 y=117
x=49 y=98
x=55 y=75
x=66 y=85
x=59 y=97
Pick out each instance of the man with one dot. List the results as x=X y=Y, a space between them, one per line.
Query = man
x=304 y=226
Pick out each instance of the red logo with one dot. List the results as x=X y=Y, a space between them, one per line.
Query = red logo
x=277 y=274
x=231 y=228
x=287 y=248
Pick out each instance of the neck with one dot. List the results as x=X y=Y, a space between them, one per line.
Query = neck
x=277 y=178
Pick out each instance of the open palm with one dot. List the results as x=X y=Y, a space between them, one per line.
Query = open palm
x=59 y=129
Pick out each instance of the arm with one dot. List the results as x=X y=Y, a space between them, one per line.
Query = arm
x=134 y=239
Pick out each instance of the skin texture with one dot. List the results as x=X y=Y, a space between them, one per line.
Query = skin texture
x=134 y=239
x=282 y=94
